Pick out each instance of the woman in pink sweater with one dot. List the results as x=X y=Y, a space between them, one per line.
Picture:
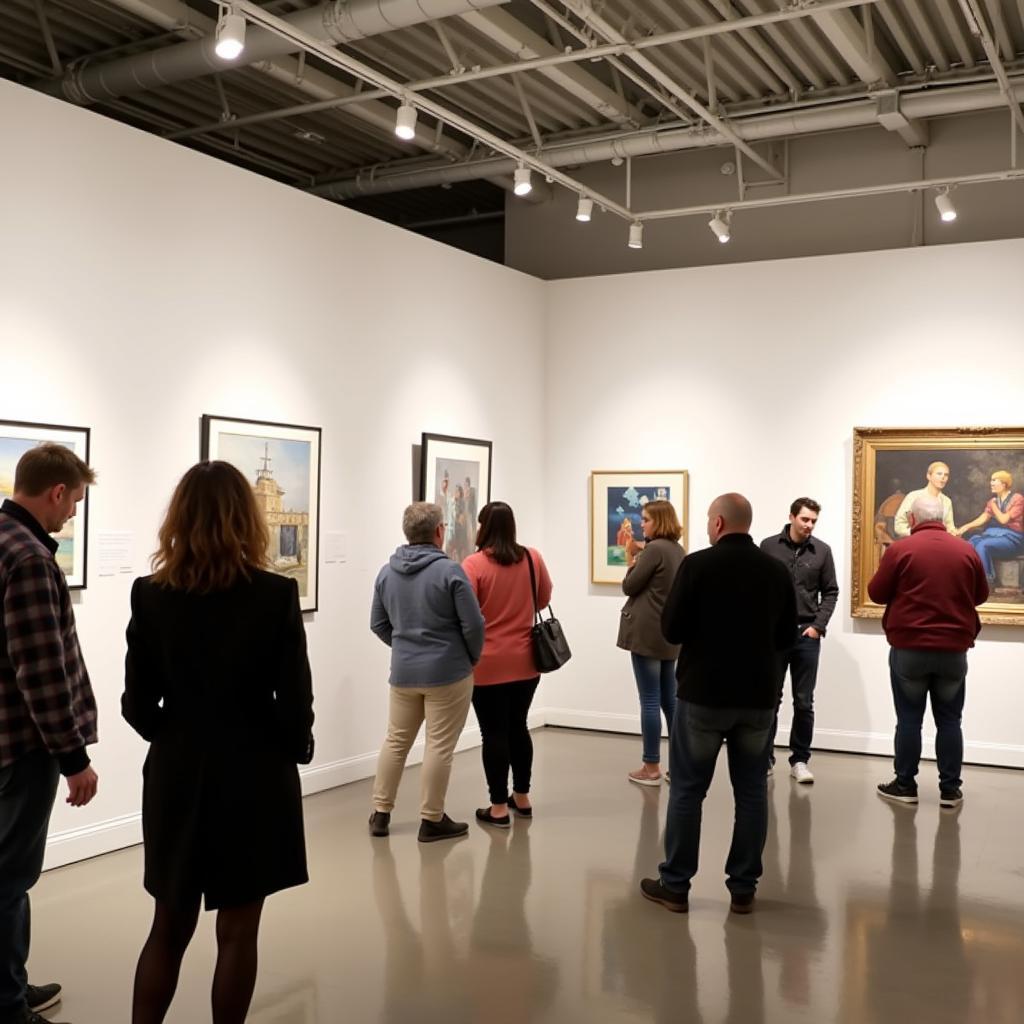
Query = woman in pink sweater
x=505 y=678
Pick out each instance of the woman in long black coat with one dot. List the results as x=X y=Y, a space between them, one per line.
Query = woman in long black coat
x=217 y=680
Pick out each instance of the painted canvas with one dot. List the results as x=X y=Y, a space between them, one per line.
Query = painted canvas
x=16 y=439
x=617 y=498
x=282 y=462
x=977 y=473
x=455 y=473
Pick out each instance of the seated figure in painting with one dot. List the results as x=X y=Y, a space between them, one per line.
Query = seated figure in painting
x=625 y=534
x=885 y=522
x=937 y=476
x=1003 y=538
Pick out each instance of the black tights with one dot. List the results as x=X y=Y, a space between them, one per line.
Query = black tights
x=501 y=710
x=234 y=978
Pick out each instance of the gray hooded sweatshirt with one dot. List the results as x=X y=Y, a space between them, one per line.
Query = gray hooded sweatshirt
x=425 y=610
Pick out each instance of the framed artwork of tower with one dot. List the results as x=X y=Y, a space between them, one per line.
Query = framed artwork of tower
x=282 y=462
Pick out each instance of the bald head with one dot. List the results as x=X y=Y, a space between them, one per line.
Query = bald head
x=729 y=513
x=927 y=509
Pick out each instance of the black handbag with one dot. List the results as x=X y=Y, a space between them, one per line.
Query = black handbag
x=550 y=648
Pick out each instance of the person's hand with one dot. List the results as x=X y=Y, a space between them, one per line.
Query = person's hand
x=811 y=633
x=82 y=787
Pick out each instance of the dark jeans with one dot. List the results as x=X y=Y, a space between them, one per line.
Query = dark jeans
x=27 y=791
x=696 y=740
x=656 y=685
x=916 y=674
x=501 y=710
x=802 y=662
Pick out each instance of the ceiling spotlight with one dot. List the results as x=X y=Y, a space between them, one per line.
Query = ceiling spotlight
x=584 y=209
x=636 y=235
x=944 y=204
x=720 y=226
x=405 y=122
x=230 y=34
x=523 y=184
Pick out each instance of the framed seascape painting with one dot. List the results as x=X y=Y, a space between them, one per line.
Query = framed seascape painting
x=617 y=497
x=978 y=475
x=282 y=462
x=73 y=540
x=455 y=472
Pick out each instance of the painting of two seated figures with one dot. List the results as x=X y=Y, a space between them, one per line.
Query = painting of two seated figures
x=980 y=492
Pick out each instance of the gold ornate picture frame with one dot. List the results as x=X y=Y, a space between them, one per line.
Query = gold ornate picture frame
x=891 y=462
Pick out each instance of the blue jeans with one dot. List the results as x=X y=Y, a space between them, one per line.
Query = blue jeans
x=916 y=674
x=802 y=662
x=996 y=543
x=696 y=740
x=27 y=790
x=656 y=685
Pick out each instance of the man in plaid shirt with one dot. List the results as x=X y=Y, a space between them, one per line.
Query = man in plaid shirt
x=47 y=710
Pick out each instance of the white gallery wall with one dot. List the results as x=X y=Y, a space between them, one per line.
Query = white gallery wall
x=752 y=377
x=142 y=285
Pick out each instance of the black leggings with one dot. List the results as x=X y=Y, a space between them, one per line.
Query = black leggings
x=501 y=710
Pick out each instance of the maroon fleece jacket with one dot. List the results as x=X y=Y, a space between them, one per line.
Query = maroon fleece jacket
x=930 y=582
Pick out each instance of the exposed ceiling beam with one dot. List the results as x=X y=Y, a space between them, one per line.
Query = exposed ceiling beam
x=303 y=40
x=845 y=33
x=583 y=10
x=514 y=37
x=979 y=27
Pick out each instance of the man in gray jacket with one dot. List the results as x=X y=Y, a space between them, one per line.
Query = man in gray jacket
x=425 y=610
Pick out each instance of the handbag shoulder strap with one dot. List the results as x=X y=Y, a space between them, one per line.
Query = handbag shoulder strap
x=533 y=583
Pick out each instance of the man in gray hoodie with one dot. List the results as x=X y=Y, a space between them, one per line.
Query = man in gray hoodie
x=425 y=610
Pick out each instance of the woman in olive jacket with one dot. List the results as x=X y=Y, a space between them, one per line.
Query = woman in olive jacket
x=652 y=568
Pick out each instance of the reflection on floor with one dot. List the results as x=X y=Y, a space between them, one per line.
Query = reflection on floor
x=868 y=913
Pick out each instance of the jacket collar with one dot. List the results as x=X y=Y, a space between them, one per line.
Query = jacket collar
x=932 y=524
x=784 y=538
x=29 y=521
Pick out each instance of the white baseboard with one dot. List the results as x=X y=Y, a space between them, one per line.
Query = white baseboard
x=116 y=833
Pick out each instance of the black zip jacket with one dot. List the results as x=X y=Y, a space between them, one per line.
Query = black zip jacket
x=813 y=573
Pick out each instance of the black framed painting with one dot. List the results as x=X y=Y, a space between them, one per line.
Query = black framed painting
x=455 y=473
x=282 y=463
x=16 y=438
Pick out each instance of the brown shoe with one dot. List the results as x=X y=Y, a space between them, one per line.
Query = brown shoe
x=742 y=903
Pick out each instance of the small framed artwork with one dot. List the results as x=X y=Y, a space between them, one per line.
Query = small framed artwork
x=617 y=498
x=975 y=472
x=73 y=540
x=282 y=462
x=455 y=472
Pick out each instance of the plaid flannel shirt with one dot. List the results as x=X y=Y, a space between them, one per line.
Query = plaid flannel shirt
x=46 y=700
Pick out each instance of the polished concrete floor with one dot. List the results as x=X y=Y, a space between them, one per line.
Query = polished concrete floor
x=868 y=913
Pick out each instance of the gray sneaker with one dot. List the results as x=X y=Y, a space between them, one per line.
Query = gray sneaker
x=42 y=997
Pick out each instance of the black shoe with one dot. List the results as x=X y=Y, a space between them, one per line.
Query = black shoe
x=380 y=822
x=523 y=812
x=950 y=797
x=484 y=815
x=42 y=997
x=31 y=1017
x=900 y=793
x=742 y=903
x=653 y=890
x=432 y=831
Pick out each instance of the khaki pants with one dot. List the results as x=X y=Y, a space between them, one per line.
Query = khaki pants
x=444 y=708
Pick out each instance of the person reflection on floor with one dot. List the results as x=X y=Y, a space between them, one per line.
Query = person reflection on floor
x=652 y=959
x=508 y=982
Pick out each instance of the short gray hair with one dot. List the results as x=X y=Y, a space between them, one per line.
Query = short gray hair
x=420 y=521
x=927 y=509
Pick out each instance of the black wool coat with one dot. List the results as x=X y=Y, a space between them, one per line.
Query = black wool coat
x=219 y=684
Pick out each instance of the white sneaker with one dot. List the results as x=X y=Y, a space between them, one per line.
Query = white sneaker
x=801 y=772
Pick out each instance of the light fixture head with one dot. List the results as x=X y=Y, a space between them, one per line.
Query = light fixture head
x=523 y=185
x=944 y=204
x=230 y=34
x=405 y=122
x=636 y=235
x=721 y=226
x=584 y=209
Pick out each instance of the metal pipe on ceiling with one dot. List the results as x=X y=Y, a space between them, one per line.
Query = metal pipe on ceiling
x=338 y=21
x=856 y=114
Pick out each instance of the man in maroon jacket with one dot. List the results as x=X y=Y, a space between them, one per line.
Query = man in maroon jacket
x=931 y=583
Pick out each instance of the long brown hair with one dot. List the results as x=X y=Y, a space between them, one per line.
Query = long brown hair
x=497 y=534
x=213 y=533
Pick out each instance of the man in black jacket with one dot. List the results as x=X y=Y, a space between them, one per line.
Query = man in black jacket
x=733 y=609
x=809 y=563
